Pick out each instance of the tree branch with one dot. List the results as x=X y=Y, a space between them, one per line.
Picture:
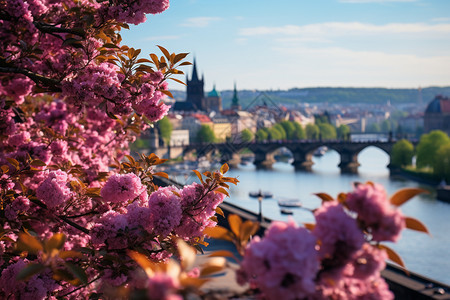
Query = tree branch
x=46 y=28
x=52 y=84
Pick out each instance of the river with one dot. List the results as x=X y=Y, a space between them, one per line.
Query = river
x=427 y=255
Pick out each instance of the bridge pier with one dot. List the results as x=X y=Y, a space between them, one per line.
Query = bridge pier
x=349 y=162
x=232 y=159
x=264 y=160
x=302 y=161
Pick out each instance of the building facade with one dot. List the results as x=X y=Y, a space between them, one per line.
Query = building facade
x=437 y=115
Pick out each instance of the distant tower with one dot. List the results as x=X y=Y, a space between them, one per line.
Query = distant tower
x=195 y=89
x=213 y=101
x=235 y=101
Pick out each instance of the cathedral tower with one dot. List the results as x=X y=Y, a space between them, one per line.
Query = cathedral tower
x=195 y=89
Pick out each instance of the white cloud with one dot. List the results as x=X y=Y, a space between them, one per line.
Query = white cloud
x=199 y=21
x=441 y=20
x=347 y=28
x=338 y=66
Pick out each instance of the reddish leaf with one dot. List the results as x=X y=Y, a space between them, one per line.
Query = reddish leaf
x=70 y=254
x=55 y=242
x=235 y=223
x=248 y=229
x=222 y=190
x=218 y=232
x=161 y=174
x=224 y=168
x=29 y=243
x=415 y=224
x=199 y=176
x=165 y=52
x=403 y=195
x=177 y=80
x=219 y=211
x=309 y=226
x=324 y=196
x=392 y=255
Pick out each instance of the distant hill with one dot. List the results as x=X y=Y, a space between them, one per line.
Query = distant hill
x=331 y=95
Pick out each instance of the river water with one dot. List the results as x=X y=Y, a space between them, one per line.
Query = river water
x=428 y=255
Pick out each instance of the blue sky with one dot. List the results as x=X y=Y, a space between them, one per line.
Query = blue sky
x=262 y=44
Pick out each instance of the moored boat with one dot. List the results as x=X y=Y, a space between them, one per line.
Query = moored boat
x=285 y=211
x=289 y=202
x=262 y=194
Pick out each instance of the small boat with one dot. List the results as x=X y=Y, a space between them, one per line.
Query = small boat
x=265 y=194
x=285 y=211
x=289 y=203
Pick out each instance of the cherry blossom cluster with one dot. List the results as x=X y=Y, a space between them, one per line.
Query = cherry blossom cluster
x=59 y=46
x=72 y=99
x=339 y=258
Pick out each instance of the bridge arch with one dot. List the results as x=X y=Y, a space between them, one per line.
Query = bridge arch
x=302 y=152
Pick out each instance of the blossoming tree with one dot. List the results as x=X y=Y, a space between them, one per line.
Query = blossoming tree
x=76 y=221
x=82 y=219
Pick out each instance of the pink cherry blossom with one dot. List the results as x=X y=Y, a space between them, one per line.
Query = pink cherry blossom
x=338 y=233
x=54 y=191
x=165 y=210
x=121 y=188
x=284 y=264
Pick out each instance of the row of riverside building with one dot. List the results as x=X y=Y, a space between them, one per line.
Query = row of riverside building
x=199 y=109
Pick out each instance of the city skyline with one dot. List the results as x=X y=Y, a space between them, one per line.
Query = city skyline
x=296 y=44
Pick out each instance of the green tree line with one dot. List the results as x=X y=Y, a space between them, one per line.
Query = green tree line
x=432 y=154
x=292 y=130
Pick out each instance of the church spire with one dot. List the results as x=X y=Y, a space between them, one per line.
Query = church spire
x=194 y=72
x=235 y=101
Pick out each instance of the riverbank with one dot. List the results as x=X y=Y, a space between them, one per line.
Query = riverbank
x=442 y=191
x=419 y=177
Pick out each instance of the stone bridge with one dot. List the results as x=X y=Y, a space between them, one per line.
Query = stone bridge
x=302 y=152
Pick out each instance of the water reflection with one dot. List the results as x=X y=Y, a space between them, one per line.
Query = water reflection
x=423 y=254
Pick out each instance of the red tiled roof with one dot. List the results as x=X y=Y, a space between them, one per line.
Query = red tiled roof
x=202 y=118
